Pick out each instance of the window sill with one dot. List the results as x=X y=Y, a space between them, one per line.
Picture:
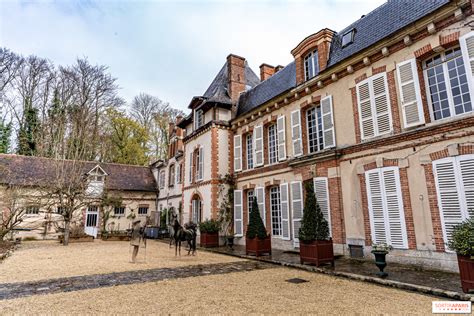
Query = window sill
x=449 y=119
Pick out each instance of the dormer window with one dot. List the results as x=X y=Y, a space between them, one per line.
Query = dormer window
x=97 y=174
x=198 y=119
x=348 y=38
x=311 y=66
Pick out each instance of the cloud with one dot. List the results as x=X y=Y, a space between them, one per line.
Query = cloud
x=171 y=49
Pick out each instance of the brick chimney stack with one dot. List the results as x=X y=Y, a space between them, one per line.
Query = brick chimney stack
x=236 y=76
x=266 y=71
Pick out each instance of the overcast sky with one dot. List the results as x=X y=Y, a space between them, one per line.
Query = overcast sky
x=170 y=49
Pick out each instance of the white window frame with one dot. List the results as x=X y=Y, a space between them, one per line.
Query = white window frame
x=147 y=207
x=249 y=203
x=198 y=118
x=279 y=218
x=317 y=128
x=311 y=57
x=448 y=87
x=162 y=178
x=275 y=144
x=249 y=153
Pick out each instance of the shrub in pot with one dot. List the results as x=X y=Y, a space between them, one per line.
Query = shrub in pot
x=209 y=233
x=380 y=251
x=257 y=240
x=462 y=242
x=315 y=243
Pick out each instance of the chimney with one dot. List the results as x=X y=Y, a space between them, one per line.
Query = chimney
x=278 y=68
x=236 y=76
x=266 y=71
x=178 y=119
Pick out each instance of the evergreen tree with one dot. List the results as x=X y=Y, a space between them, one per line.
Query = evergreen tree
x=28 y=130
x=313 y=225
x=5 y=133
x=255 y=227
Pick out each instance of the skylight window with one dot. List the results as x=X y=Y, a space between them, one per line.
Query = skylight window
x=348 y=38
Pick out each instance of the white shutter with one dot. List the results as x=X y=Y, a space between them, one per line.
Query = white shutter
x=238 y=213
x=466 y=168
x=394 y=206
x=296 y=133
x=237 y=153
x=258 y=145
x=285 y=211
x=381 y=104
x=374 y=107
x=454 y=177
x=281 y=138
x=328 y=122
x=177 y=172
x=297 y=209
x=321 y=191
x=365 y=110
x=201 y=163
x=190 y=167
x=387 y=220
x=467 y=47
x=412 y=107
x=260 y=192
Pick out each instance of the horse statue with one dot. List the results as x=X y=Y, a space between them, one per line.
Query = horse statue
x=187 y=233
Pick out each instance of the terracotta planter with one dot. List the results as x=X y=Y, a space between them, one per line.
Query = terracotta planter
x=317 y=252
x=209 y=240
x=77 y=239
x=258 y=247
x=115 y=238
x=466 y=271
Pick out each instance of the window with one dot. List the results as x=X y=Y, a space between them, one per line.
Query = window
x=250 y=195
x=196 y=210
x=32 y=210
x=172 y=175
x=311 y=66
x=387 y=219
x=272 y=144
x=375 y=117
x=119 y=210
x=143 y=210
x=315 y=129
x=249 y=141
x=97 y=174
x=348 y=38
x=447 y=84
x=199 y=119
x=454 y=177
x=275 y=205
x=61 y=210
x=162 y=179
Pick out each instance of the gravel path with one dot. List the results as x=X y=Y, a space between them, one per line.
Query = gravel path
x=48 y=259
x=21 y=289
x=262 y=292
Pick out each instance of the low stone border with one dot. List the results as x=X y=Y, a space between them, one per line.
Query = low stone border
x=390 y=283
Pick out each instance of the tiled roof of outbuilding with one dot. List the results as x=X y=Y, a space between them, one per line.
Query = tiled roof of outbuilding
x=39 y=171
x=280 y=82
x=382 y=22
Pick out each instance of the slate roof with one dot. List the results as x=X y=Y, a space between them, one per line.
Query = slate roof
x=379 y=24
x=217 y=90
x=38 y=171
x=280 y=82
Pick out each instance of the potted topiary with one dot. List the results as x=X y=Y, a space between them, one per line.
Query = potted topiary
x=380 y=251
x=257 y=240
x=209 y=233
x=315 y=242
x=462 y=241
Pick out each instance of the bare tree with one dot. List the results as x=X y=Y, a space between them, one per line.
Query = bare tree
x=9 y=65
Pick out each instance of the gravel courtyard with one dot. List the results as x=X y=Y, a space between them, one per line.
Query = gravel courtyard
x=261 y=290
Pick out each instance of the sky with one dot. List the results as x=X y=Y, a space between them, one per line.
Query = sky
x=169 y=49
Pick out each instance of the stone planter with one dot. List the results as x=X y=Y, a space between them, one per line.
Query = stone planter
x=257 y=247
x=466 y=272
x=76 y=239
x=317 y=252
x=115 y=237
x=209 y=240
x=380 y=262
